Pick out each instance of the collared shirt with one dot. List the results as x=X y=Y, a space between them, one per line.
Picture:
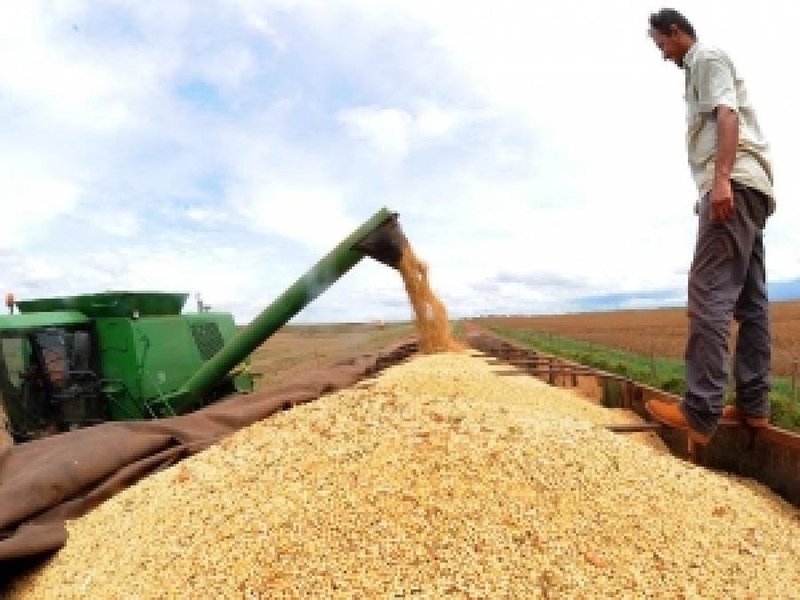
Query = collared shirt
x=712 y=81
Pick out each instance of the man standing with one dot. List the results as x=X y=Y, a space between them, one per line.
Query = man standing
x=730 y=165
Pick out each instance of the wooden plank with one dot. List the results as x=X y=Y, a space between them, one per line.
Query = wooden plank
x=634 y=427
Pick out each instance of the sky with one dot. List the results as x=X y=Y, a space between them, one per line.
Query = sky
x=534 y=151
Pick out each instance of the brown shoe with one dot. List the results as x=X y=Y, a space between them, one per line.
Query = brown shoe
x=731 y=412
x=670 y=414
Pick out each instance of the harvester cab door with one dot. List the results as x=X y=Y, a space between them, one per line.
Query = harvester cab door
x=50 y=350
x=12 y=367
x=73 y=388
x=22 y=385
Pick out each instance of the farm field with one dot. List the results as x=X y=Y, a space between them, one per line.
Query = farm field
x=659 y=332
x=297 y=349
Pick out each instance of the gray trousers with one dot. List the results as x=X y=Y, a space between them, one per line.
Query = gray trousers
x=727 y=280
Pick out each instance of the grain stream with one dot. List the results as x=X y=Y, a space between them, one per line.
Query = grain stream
x=438 y=479
x=430 y=314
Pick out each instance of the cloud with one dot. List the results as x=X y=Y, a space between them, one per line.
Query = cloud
x=30 y=205
x=392 y=131
x=387 y=129
x=308 y=214
x=535 y=152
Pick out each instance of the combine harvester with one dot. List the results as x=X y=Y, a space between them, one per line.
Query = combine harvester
x=66 y=363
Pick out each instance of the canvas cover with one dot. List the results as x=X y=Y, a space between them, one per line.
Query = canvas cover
x=47 y=481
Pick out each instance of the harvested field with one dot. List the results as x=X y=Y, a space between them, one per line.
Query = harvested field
x=437 y=479
x=297 y=349
x=661 y=332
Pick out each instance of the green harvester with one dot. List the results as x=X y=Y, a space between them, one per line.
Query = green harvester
x=75 y=361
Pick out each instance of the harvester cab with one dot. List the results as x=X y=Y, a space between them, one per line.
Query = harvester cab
x=75 y=361
x=41 y=365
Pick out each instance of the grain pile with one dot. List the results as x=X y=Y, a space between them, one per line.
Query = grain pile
x=5 y=437
x=439 y=479
x=430 y=314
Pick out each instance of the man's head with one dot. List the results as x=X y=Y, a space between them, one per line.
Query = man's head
x=672 y=34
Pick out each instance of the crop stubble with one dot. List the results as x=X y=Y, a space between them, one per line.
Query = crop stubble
x=661 y=332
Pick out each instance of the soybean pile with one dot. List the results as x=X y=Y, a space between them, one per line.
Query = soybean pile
x=437 y=479
x=6 y=441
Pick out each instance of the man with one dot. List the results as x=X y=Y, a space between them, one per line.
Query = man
x=730 y=165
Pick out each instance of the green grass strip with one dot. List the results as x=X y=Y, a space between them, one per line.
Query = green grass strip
x=663 y=373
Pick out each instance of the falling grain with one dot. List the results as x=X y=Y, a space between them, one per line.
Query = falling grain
x=430 y=314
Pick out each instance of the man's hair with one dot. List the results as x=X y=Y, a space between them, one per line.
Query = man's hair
x=667 y=17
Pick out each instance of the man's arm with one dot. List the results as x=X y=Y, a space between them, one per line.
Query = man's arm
x=721 y=196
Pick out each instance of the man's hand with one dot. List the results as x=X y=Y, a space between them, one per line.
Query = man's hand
x=721 y=200
x=721 y=195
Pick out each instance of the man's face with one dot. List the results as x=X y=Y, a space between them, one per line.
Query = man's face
x=668 y=45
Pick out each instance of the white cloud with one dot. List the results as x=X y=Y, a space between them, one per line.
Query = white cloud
x=527 y=139
x=50 y=67
x=310 y=214
x=394 y=131
x=435 y=121
x=30 y=205
x=387 y=129
x=120 y=224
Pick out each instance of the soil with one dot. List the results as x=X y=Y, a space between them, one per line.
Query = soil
x=661 y=332
x=299 y=348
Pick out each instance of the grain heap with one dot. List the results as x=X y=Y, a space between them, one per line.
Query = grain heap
x=5 y=437
x=439 y=479
x=430 y=314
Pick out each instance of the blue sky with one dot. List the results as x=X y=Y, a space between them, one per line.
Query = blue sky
x=535 y=153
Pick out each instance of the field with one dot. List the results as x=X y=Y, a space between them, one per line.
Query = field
x=659 y=333
x=298 y=349
x=647 y=346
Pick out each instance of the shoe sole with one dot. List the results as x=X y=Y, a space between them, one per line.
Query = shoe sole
x=693 y=436
x=754 y=422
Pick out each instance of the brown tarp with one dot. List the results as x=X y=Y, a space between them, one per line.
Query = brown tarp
x=45 y=482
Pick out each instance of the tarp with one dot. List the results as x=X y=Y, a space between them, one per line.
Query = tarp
x=47 y=481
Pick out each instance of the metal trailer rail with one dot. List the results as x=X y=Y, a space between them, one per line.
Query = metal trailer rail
x=770 y=455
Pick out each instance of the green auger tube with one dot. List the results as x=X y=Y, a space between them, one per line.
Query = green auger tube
x=379 y=237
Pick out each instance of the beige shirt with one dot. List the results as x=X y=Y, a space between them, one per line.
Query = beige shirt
x=712 y=81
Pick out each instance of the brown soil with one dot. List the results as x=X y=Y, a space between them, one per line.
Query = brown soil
x=296 y=349
x=661 y=333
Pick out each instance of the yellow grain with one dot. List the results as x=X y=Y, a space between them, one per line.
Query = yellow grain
x=439 y=480
x=430 y=314
x=6 y=440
